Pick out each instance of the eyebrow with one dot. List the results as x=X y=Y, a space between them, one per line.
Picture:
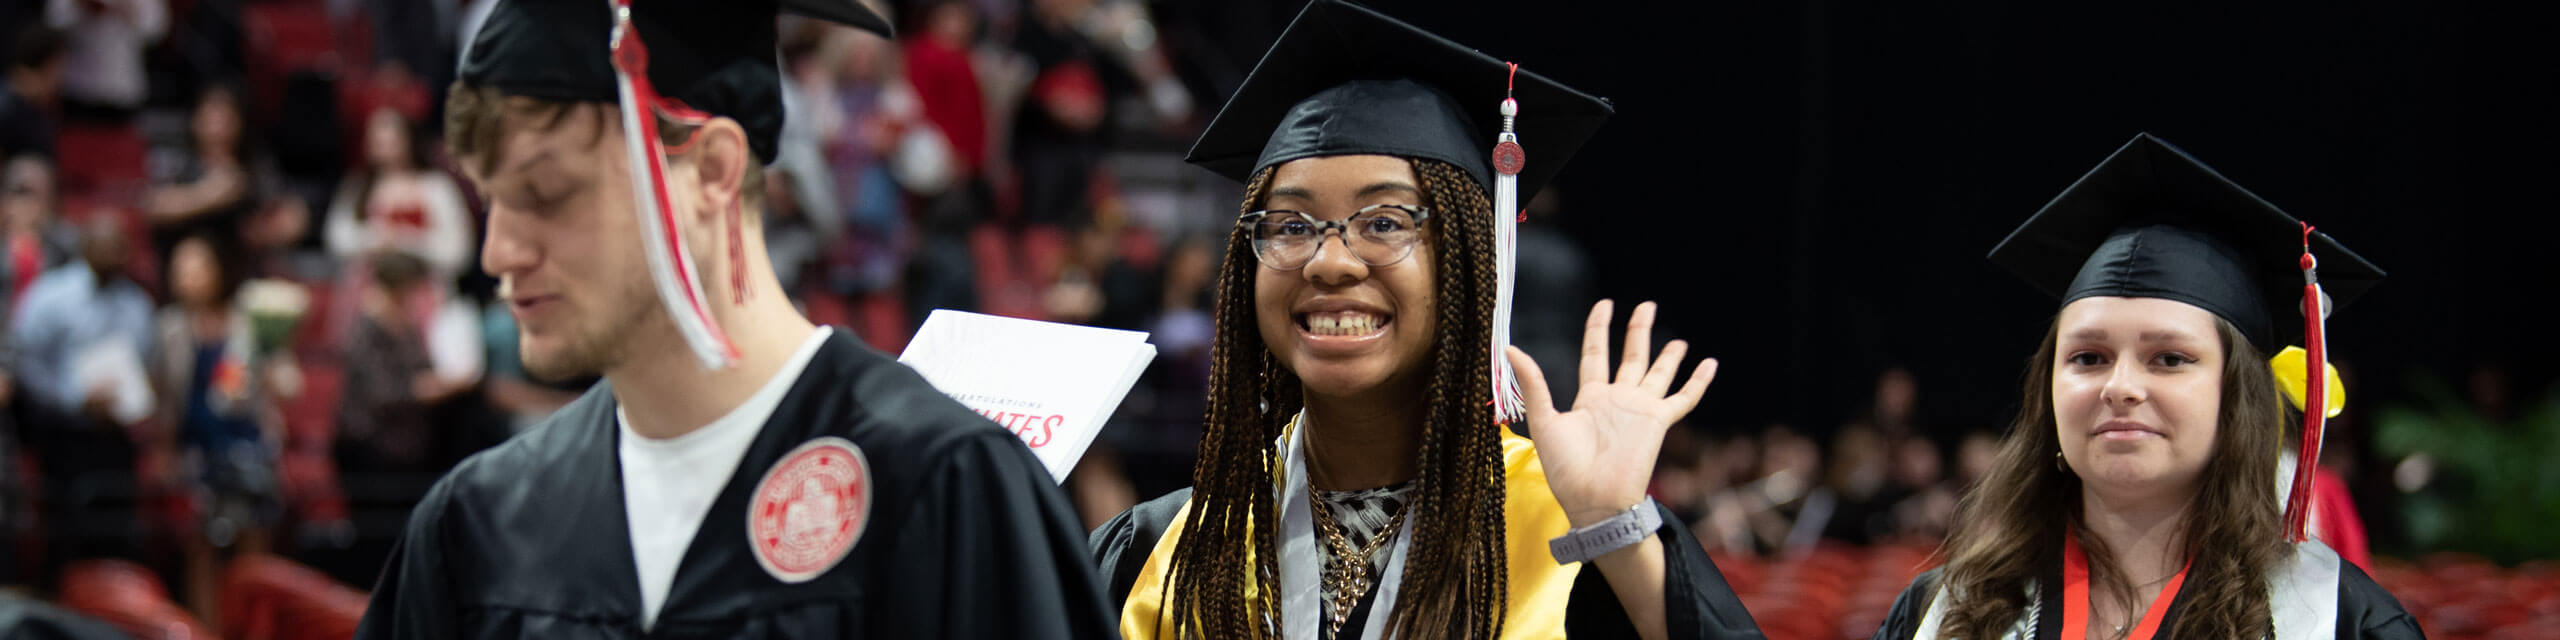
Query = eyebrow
x=1375 y=188
x=2100 y=335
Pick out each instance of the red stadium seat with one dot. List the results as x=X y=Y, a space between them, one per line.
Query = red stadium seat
x=283 y=38
x=128 y=596
x=100 y=162
x=265 y=597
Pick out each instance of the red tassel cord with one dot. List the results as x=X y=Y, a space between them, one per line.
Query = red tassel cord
x=630 y=61
x=2315 y=396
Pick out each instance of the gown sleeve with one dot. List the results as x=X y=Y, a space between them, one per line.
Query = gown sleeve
x=1903 y=620
x=996 y=554
x=1696 y=601
x=2367 y=611
x=414 y=596
x=1122 y=545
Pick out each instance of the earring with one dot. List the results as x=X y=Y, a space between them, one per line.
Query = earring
x=2057 y=462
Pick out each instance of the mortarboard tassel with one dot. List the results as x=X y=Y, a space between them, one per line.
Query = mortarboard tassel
x=2315 y=401
x=670 y=264
x=1507 y=214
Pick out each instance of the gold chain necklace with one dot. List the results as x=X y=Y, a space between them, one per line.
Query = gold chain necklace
x=1348 y=578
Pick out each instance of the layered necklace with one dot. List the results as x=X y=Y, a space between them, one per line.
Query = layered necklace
x=1348 y=573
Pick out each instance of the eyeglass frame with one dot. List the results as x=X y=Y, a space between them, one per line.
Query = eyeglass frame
x=1343 y=227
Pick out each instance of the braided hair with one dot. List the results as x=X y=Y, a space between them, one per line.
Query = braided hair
x=1455 y=574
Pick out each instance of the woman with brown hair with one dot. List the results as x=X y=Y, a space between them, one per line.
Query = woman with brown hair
x=1355 y=477
x=2134 y=497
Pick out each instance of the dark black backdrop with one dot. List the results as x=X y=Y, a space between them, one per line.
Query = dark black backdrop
x=1809 y=187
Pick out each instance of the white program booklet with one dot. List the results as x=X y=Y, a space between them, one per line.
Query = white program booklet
x=1052 y=384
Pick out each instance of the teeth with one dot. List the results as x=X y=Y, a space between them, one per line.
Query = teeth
x=1345 y=323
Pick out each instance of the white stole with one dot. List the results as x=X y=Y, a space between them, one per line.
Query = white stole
x=2302 y=597
x=1302 y=561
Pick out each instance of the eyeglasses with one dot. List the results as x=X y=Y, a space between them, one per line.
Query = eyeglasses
x=1378 y=234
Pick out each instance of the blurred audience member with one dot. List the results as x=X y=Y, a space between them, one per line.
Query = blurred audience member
x=1897 y=399
x=78 y=336
x=1862 y=510
x=400 y=202
x=1679 y=481
x=946 y=84
x=222 y=395
x=1974 y=457
x=214 y=187
x=103 y=68
x=76 y=325
x=391 y=381
x=790 y=238
x=37 y=238
x=872 y=110
x=1096 y=286
x=1927 y=500
x=1058 y=133
x=1728 y=463
x=29 y=101
x=1788 y=508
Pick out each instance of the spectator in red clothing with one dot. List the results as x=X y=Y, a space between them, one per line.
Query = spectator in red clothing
x=939 y=68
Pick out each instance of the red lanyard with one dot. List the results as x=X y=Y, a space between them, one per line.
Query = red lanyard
x=2075 y=595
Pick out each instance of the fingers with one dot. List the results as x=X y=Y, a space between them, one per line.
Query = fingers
x=1658 y=378
x=1699 y=378
x=1639 y=344
x=1595 y=345
x=1533 y=386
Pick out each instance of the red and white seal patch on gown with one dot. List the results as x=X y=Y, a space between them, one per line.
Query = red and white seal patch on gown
x=809 y=509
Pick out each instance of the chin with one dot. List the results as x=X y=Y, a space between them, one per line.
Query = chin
x=1339 y=379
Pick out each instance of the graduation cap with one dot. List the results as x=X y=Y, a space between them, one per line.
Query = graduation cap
x=717 y=58
x=2153 y=222
x=1344 y=79
x=688 y=60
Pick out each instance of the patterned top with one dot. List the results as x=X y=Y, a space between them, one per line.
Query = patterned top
x=1364 y=514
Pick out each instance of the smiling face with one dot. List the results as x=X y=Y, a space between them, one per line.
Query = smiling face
x=562 y=241
x=2137 y=392
x=1347 y=328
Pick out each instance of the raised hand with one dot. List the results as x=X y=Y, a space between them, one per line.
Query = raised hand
x=1599 y=455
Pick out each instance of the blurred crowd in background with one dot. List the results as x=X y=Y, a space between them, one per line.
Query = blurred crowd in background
x=244 y=316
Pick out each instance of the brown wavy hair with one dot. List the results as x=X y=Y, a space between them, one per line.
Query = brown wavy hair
x=2005 y=532
x=1455 y=578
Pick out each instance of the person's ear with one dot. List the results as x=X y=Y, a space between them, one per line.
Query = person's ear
x=719 y=162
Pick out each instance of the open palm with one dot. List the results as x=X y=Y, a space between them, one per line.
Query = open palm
x=1599 y=455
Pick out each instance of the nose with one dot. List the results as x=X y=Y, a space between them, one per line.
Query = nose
x=1334 y=265
x=2126 y=385
x=508 y=247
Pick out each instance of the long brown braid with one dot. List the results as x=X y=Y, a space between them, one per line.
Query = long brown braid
x=1455 y=581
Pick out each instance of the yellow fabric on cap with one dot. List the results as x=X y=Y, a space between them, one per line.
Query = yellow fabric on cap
x=2289 y=364
x=1539 y=587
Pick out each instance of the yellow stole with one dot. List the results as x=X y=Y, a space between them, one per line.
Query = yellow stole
x=1538 y=590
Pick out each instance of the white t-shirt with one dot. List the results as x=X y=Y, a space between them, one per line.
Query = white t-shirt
x=668 y=485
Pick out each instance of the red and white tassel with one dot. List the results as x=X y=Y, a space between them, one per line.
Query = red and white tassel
x=670 y=264
x=2315 y=397
x=1508 y=407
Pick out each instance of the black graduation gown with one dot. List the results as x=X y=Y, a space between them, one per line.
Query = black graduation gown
x=2364 y=609
x=966 y=535
x=1696 y=601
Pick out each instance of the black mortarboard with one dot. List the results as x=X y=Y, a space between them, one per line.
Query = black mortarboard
x=1345 y=79
x=716 y=57
x=2152 y=222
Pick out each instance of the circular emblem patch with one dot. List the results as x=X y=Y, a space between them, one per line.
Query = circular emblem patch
x=1508 y=157
x=809 y=509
